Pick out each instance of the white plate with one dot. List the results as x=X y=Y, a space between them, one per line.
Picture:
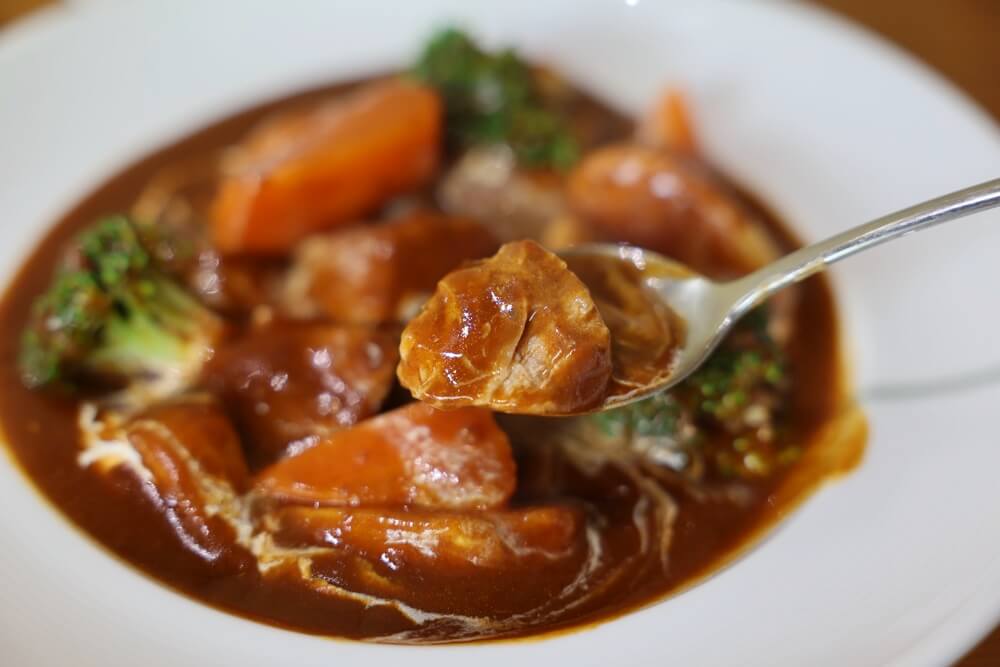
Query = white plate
x=899 y=563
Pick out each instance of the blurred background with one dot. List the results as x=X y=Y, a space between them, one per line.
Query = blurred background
x=958 y=38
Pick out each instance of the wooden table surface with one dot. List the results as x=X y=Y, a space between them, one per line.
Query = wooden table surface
x=959 y=38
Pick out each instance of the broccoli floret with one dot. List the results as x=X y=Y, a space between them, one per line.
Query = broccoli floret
x=111 y=314
x=492 y=98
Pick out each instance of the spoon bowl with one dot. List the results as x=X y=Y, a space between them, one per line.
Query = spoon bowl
x=709 y=309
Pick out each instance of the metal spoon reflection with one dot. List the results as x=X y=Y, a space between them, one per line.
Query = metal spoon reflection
x=710 y=309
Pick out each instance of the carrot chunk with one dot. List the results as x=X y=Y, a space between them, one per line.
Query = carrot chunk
x=413 y=456
x=312 y=170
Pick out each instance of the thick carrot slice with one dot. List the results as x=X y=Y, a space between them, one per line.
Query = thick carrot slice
x=413 y=456
x=312 y=170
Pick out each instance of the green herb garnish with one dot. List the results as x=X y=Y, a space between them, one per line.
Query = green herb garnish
x=724 y=413
x=492 y=98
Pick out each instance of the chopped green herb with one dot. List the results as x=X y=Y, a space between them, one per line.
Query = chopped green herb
x=728 y=379
x=729 y=404
x=756 y=463
x=491 y=98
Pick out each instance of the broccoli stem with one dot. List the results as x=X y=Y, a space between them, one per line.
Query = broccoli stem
x=111 y=314
x=140 y=345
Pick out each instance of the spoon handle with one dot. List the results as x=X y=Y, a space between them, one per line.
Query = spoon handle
x=804 y=262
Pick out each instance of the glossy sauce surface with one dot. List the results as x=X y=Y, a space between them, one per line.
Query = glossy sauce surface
x=518 y=332
x=544 y=547
x=286 y=384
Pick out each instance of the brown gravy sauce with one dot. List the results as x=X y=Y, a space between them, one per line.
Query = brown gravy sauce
x=40 y=430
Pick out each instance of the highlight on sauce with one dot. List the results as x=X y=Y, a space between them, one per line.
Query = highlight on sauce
x=200 y=361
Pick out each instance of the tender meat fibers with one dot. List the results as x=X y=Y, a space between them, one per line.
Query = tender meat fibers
x=381 y=273
x=518 y=332
x=486 y=184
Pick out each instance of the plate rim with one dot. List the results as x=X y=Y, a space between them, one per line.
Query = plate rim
x=972 y=620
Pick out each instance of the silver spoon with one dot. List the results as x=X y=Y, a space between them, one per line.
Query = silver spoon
x=709 y=309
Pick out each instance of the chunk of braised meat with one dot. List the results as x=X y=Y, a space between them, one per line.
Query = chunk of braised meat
x=198 y=423
x=669 y=203
x=291 y=384
x=447 y=540
x=381 y=273
x=235 y=285
x=487 y=185
x=518 y=332
x=193 y=469
x=414 y=456
x=325 y=166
